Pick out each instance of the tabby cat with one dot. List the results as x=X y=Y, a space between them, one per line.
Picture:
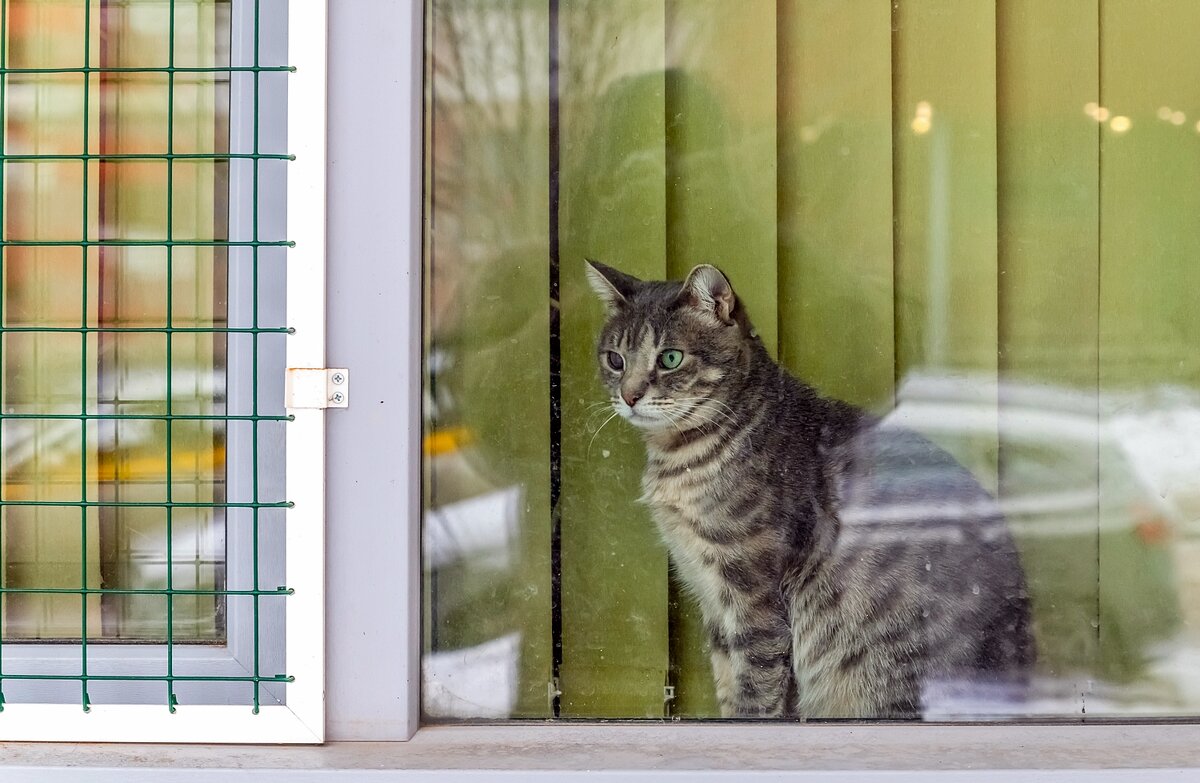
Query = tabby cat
x=844 y=567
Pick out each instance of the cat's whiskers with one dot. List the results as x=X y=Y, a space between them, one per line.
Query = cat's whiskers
x=727 y=407
x=735 y=425
x=596 y=415
x=664 y=407
x=588 y=453
x=666 y=415
x=699 y=407
x=596 y=409
x=713 y=400
x=708 y=425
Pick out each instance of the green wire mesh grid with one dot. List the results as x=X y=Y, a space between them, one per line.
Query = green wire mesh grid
x=256 y=678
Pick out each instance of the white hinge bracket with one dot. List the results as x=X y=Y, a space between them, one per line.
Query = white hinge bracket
x=317 y=387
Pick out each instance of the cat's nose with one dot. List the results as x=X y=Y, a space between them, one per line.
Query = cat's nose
x=631 y=397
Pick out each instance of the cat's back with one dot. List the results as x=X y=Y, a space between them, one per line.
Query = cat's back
x=920 y=585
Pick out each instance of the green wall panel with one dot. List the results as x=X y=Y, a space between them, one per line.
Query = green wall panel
x=613 y=209
x=1049 y=202
x=489 y=318
x=1148 y=320
x=835 y=197
x=721 y=147
x=944 y=126
x=721 y=192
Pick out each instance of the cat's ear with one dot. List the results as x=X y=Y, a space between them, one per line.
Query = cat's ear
x=708 y=290
x=613 y=287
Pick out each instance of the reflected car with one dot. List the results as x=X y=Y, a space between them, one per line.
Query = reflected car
x=1097 y=538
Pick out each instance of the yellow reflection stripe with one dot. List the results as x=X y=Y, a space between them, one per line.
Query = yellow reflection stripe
x=446 y=441
x=109 y=467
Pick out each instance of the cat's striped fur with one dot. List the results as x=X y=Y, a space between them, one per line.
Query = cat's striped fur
x=842 y=567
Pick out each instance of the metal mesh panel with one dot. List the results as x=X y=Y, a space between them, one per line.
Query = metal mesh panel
x=112 y=480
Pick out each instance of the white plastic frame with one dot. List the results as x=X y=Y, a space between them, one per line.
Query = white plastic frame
x=302 y=719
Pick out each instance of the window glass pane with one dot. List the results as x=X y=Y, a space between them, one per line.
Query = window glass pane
x=973 y=222
x=90 y=290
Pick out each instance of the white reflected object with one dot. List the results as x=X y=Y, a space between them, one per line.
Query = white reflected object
x=472 y=682
x=1163 y=446
x=964 y=700
x=481 y=528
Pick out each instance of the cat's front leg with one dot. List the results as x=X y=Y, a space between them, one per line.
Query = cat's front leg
x=752 y=670
x=723 y=680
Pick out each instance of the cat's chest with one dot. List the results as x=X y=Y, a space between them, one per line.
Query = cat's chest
x=679 y=505
x=698 y=528
x=722 y=560
x=672 y=493
x=697 y=544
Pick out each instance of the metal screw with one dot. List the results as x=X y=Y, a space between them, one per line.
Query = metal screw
x=338 y=379
x=337 y=397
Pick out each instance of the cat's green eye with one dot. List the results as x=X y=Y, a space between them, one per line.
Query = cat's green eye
x=670 y=359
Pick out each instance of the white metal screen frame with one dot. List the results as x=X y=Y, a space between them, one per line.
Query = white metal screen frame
x=302 y=718
x=236 y=655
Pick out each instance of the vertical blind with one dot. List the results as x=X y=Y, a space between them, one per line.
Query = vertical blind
x=1000 y=195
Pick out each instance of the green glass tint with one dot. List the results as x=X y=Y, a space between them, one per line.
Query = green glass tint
x=974 y=218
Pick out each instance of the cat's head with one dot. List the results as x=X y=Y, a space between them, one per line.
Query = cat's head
x=669 y=351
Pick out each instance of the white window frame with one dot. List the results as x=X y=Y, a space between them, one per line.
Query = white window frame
x=374 y=641
x=301 y=719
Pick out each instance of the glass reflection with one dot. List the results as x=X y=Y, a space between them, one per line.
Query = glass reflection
x=84 y=331
x=941 y=237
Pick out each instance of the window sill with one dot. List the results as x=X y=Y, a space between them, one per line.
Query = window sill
x=641 y=751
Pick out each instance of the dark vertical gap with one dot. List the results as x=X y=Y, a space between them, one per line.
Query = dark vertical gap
x=429 y=375
x=672 y=128
x=786 y=67
x=783 y=69
x=1003 y=358
x=896 y=238
x=424 y=406
x=427 y=407
x=556 y=625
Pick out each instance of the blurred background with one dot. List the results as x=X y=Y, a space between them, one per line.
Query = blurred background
x=975 y=218
x=83 y=159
